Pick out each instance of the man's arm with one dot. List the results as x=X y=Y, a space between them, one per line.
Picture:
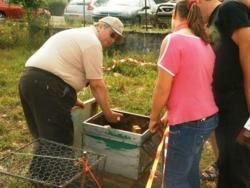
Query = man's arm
x=99 y=91
x=242 y=38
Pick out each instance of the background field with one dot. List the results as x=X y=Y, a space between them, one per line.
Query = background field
x=130 y=87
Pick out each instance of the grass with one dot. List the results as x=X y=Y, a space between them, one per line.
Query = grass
x=130 y=89
x=13 y=131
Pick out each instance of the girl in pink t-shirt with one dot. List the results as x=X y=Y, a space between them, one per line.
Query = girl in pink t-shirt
x=184 y=88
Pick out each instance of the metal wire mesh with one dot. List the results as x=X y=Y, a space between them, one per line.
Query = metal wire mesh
x=48 y=163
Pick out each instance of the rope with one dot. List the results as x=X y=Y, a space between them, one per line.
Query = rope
x=87 y=169
x=131 y=60
x=158 y=157
x=165 y=153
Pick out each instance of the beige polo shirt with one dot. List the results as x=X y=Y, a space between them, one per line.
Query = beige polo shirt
x=74 y=55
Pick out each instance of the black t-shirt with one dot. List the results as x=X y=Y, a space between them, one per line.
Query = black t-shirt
x=226 y=19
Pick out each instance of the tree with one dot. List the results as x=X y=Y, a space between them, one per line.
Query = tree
x=36 y=17
x=30 y=4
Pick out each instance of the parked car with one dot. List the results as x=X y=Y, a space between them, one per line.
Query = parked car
x=164 y=12
x=9 y=10
x=74 y=11
x=129 y=11
x=16 y=11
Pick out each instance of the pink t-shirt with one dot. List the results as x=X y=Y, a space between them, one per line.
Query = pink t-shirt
x=191 y=62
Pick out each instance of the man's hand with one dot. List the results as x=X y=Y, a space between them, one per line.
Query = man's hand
x=79 y=103
x=244 y=137
x=114 y=117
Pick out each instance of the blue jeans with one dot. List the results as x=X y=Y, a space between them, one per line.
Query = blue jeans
x=184 y=152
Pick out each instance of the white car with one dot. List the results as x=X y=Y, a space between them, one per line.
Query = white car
x=164 y=12
x=75 y=11
x=128 y=11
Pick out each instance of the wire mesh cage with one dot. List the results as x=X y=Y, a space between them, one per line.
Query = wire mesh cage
x=49 y=164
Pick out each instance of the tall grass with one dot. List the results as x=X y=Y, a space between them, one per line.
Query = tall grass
x=12 y=125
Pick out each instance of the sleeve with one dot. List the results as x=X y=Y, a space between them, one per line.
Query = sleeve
x=232 y=16
x=170 y=59
x=92 y=60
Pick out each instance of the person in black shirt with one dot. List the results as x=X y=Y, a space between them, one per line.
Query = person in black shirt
x=229 y=24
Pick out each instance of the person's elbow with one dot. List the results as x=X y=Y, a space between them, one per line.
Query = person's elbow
x=96 y=84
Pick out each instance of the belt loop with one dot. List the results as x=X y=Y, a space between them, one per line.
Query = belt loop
x=203 y=119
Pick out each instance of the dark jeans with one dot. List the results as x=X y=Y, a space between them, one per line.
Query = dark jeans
x=234 y=159
x=47 y=101
x=184 y=152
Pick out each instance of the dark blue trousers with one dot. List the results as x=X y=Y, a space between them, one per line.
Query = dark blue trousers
x=47 y=101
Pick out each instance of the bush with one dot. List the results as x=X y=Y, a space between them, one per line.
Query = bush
x=9 y=36
x=38 y=28
x=31 y=34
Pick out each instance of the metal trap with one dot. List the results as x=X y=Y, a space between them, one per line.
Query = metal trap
x=50 y=164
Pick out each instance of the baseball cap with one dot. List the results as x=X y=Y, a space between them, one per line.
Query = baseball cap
x=114 y=23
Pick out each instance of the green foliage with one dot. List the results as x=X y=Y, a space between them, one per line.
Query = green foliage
x=37 y=22
x=11 y=182
x=30 y=4
x=13 y=131
x=130 y=69
x=130 y=85
x=9 y=35
x=15 y=34
x=38 y=28
x=11 y=66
